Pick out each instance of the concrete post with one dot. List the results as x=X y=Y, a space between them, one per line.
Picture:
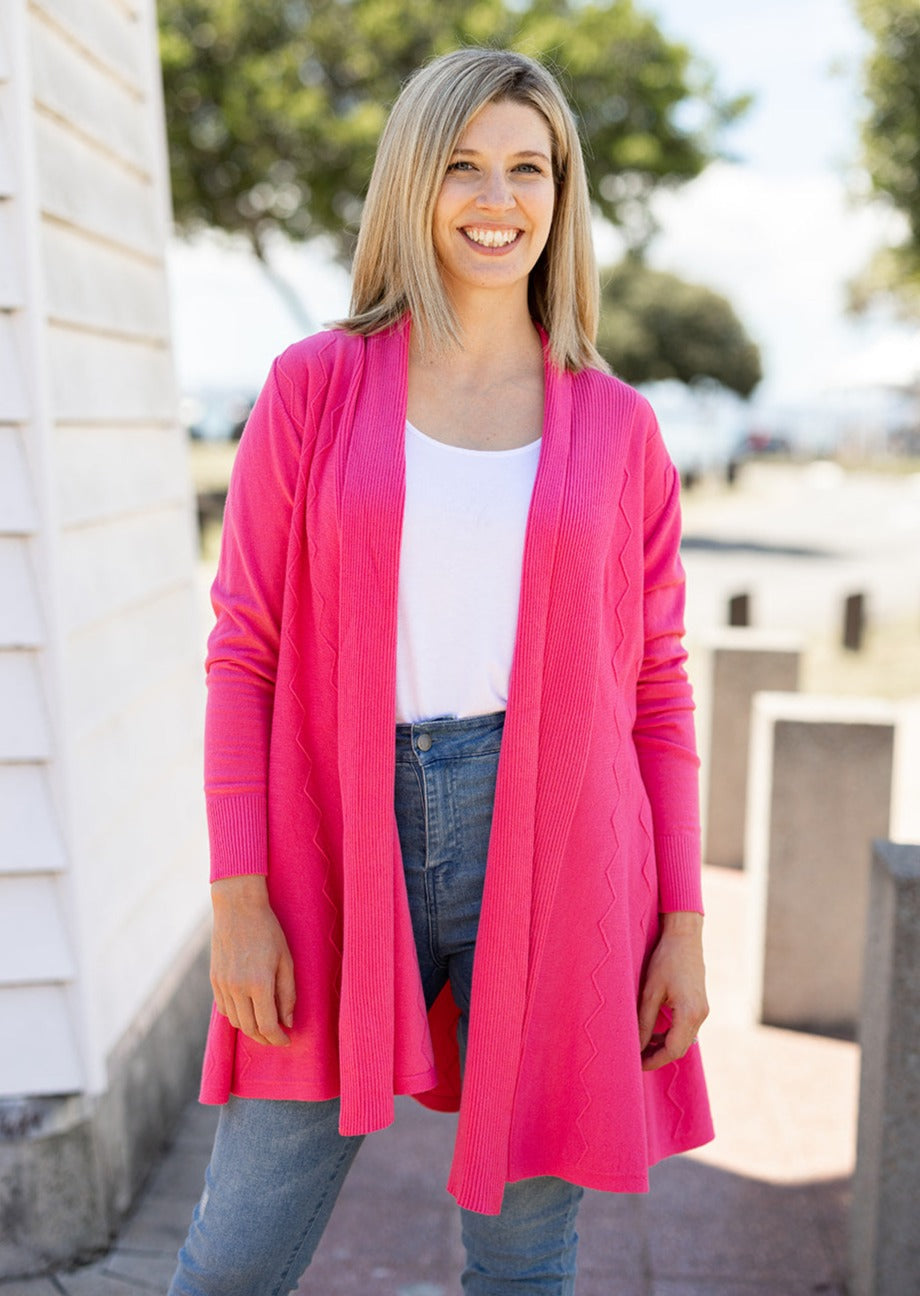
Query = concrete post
x=733 y=665
x=820 y=790
x=739 y=610
x=854 y=622
x=884 y=1238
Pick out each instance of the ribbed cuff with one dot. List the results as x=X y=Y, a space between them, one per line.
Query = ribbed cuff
x=680 y=886
x=238 y=832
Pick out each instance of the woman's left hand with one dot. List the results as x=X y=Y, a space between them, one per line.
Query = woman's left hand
x=676 y=978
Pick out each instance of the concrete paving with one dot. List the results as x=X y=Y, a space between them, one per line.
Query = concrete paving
x=762 y=1210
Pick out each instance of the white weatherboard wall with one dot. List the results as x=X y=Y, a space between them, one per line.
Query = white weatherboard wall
x=102 y=881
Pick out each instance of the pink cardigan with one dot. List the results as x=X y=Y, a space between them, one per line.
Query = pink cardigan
x=595 y=826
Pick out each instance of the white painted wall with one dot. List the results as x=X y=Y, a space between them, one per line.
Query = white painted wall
x=102 y=847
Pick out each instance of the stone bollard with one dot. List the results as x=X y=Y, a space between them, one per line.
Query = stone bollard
x=730 y=666
x=884 y=1237
x=820 y=789
x=739 y=610
x=854 y=622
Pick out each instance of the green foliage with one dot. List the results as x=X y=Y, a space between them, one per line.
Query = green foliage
x=655 y=326
x=891 y=142
x=274 y=108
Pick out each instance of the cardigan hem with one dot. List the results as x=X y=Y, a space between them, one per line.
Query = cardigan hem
x=299 y=1090
x=485 y=1198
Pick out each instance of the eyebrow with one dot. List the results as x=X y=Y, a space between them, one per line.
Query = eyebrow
x=524 y=153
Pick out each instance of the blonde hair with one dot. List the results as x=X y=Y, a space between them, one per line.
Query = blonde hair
x=395 y=266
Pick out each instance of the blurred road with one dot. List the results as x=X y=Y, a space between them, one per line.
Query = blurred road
x=799 y=538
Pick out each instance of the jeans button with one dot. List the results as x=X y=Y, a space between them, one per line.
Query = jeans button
x=424 y=742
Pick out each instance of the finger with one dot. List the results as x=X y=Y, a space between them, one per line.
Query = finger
x=664 y=1050
x=688 y=1016
x=219 y=1002
x=266 y=1015
x=649 y=1008
x=655 y=1061
x=217 y=990
x=671 y=1046
x=653 y=1047
x=243 y=1017
x=238 y=1008
x=285 y=992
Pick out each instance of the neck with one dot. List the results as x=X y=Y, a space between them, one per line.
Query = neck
x=496 y=329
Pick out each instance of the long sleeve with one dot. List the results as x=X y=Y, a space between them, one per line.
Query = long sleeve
x=247 y=597
x=664 y=731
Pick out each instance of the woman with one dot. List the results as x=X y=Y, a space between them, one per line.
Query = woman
x=446 y=515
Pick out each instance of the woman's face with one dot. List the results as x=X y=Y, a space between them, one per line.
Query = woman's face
x=495 y=208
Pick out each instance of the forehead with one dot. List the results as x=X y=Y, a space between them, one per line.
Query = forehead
x=507 y=123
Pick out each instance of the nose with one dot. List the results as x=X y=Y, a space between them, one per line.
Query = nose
x=496 y=192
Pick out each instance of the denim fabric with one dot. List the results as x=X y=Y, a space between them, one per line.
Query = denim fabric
x=277 y=1166
x=275 y=1173
x=445 y=789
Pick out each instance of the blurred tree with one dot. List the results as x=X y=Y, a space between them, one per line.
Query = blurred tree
x=891 y=145
x=274 y=108
x=655 y=326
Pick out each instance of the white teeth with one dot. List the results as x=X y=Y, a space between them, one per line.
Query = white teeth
x=492 y=237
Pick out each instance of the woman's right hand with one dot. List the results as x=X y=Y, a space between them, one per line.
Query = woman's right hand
x=252 y=972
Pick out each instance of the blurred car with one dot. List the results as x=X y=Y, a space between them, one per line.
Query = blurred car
x=756 y=445
x=699 y=425
x=215 y=414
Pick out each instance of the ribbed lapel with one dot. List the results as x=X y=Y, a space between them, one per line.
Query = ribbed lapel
x=373 y=496
x=571 y=649
x=503 y=949
x=544 y=753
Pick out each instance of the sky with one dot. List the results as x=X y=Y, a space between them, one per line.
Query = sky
x=781 y=230
x=777 y=228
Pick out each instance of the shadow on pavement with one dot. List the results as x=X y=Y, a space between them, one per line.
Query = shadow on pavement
x=767 y=549
x=701 y=1231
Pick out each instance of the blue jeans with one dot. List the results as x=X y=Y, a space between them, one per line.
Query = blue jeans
x=277 y=1166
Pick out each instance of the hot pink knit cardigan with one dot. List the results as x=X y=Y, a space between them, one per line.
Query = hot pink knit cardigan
x=595 y=825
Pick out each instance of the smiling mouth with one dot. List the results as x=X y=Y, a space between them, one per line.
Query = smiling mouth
x=491 y=238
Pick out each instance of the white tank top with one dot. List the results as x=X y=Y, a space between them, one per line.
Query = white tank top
x=460 y=576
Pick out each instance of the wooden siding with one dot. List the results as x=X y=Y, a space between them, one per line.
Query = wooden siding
x=18 y=514
x=31 y=837
x=120 y=660
x=25 y=734
x=20 y=614
x=82 y=185
x=91 y=100
x=102 y=877
x=99 y=285
x=40 y=1018
x=10 y=272
x=14 y=404
x=111 y=36
x=99 y=377
x=110 y=568
x=34 y=943
x=146 y=468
